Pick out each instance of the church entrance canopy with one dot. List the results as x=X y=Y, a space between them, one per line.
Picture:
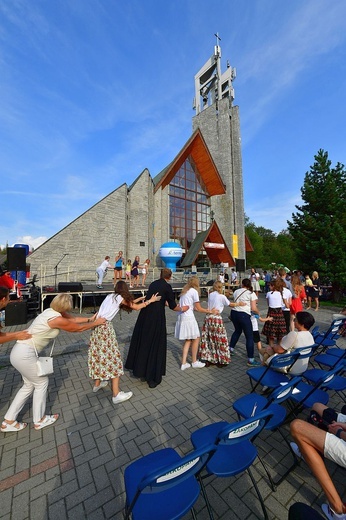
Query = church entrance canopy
x=212 y=242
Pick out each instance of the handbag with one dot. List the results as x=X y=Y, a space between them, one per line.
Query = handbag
x=45 y=364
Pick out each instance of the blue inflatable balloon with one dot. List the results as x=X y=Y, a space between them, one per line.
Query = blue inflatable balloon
x=171 y=253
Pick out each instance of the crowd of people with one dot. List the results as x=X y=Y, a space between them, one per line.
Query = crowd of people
x=287 y=326
x=133 y=269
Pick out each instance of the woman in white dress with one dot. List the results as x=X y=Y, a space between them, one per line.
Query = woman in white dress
x=186 y=327
x=254 y=277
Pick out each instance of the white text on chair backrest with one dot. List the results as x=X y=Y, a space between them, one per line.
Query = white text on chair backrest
x=178 y=471
x=239 y=432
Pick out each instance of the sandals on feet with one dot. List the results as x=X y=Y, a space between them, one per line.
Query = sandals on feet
x=14 y=427
x=47 y=421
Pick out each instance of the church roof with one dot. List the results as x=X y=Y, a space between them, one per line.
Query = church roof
x=217 y=255
x=197 y=148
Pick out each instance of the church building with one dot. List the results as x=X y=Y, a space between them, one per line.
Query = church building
x=196 y=201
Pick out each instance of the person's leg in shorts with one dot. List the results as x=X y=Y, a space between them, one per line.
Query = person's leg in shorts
x=311 y=442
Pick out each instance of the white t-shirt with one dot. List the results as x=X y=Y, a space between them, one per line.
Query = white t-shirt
x=189 y=298
x=303 y=338
x=274 y=299
x=110 y=306
x=217 y=301
x=105 y=265
x=244 y=295
x=286 y=295
x=254 y=321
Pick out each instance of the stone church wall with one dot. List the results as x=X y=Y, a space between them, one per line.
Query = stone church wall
x=98 y=232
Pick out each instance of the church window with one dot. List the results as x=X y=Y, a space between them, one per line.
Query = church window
x=189 y=204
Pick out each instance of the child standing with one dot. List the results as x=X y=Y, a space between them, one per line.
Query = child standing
x=186 y=327
x=145 y=269
x=128 y=272
x=213 y=349
x=255 y=318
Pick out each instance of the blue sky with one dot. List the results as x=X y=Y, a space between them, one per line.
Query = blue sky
x=94 y=91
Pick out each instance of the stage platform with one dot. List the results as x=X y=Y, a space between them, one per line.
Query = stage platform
x=91 y=296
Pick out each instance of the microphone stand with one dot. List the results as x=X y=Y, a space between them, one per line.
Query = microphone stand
x=56 y=270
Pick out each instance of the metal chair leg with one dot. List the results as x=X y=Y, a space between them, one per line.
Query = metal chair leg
x=258 y=494
x=204 y=493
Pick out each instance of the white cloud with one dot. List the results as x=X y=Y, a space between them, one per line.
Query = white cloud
x=32 y=242
x=265 y=213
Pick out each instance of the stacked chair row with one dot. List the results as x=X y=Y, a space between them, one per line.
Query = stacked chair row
x=165 y=486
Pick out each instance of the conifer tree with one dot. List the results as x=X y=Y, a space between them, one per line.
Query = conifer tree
x=319 y=226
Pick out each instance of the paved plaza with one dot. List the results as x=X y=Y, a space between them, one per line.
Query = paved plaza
x=75 y=468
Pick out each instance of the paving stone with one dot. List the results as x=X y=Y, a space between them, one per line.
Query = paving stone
x=103 y=439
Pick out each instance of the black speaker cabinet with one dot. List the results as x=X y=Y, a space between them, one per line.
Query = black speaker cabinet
x=16 y=259
x=240 y=265
x=70 y=287
x=15 y=313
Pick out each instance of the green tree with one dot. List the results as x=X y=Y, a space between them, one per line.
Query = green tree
x=319 y=226
x=268 y=247
x=283 y=250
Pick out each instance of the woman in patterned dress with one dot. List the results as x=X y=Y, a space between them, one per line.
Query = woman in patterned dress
x=104 y=359
x=213 y=349
x=275 y=329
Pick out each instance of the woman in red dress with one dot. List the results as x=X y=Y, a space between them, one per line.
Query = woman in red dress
x=298 y=300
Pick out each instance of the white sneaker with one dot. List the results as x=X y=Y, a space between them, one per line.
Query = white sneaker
x=198 y=364
x=101 y=385
x=185 y=366
x=296 y=450
x=330 y=514
x=122 y=396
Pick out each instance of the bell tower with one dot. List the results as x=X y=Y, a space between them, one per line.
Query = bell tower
x=218 y=120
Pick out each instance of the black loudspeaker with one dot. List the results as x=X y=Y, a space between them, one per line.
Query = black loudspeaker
x=15 y=313
x=70 y=287
x=16 y=259
x=240 y=265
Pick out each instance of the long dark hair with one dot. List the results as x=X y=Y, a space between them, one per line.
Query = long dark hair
x=122 y=289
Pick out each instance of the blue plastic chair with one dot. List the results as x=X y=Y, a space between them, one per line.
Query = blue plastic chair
x=328 y=338
x=331 y=357
x=337 y=383
x=269 y=375
x=165 y=486
x=310 y=394
x=235 y=452
x=251 y=404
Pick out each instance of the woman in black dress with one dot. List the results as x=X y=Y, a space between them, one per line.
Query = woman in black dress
x=314 y=291
x=134 y=272
x=148 y=347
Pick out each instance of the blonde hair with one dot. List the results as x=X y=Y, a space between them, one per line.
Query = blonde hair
x=62 y=302
x=217 y=286
x=193 y=283
x=315 y=274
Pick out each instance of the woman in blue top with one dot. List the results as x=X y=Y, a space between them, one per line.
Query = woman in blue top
x=118 y=267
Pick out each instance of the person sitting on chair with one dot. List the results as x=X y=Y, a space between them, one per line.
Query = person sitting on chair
x=299 y=338
x=312 y=444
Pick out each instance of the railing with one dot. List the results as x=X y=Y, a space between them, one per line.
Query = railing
x=48 y=277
